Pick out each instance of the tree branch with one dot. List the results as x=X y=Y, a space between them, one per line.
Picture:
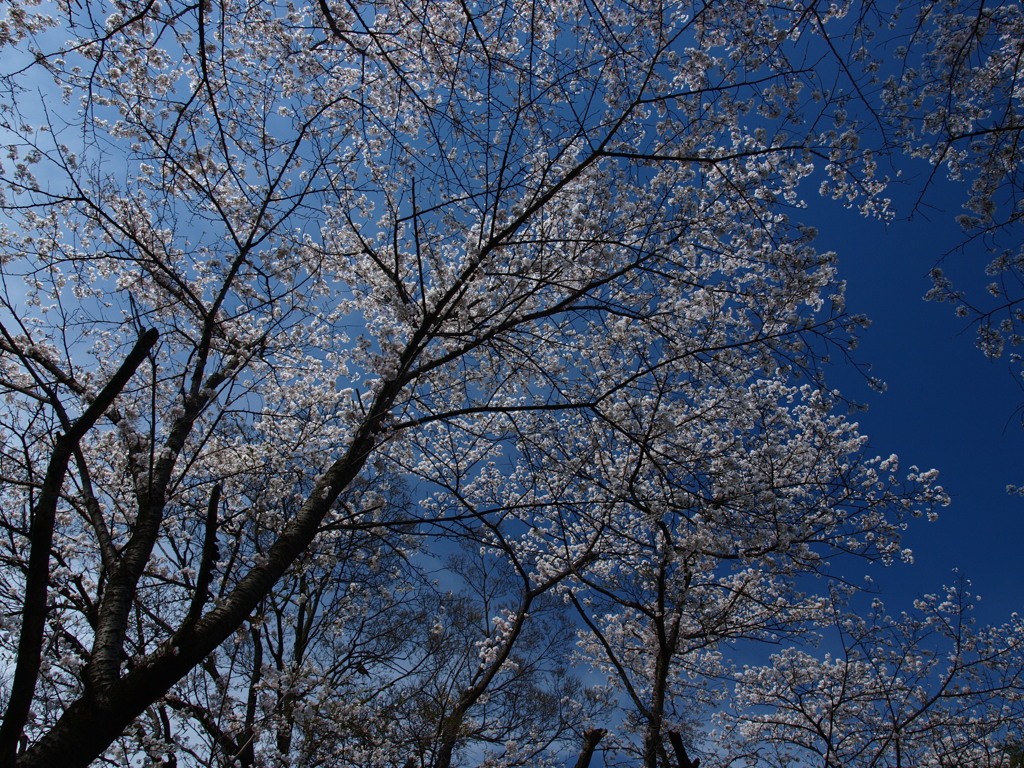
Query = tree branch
x=30 y=642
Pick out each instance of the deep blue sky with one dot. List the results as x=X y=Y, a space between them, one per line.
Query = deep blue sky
x=946 y=406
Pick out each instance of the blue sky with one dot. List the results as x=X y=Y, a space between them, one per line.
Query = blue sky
x=946 y=405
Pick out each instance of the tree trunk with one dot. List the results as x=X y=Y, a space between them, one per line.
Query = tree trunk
x=591 y=739
x=681 y=757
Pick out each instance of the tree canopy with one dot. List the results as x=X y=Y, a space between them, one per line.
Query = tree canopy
x=443 y=382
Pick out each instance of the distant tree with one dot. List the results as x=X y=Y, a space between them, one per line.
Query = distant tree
x=710 y=546
x=928 y=687
x=264 y=263
x=493 y=680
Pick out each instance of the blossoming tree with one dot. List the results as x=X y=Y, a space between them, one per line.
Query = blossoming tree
x=927 y=687
x=266 y=264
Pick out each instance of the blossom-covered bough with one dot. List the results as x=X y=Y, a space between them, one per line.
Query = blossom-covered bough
x=926 y=687
x=347 y=348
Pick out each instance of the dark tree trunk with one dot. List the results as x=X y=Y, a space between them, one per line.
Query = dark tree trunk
x=681 y=757
x=591 y=739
